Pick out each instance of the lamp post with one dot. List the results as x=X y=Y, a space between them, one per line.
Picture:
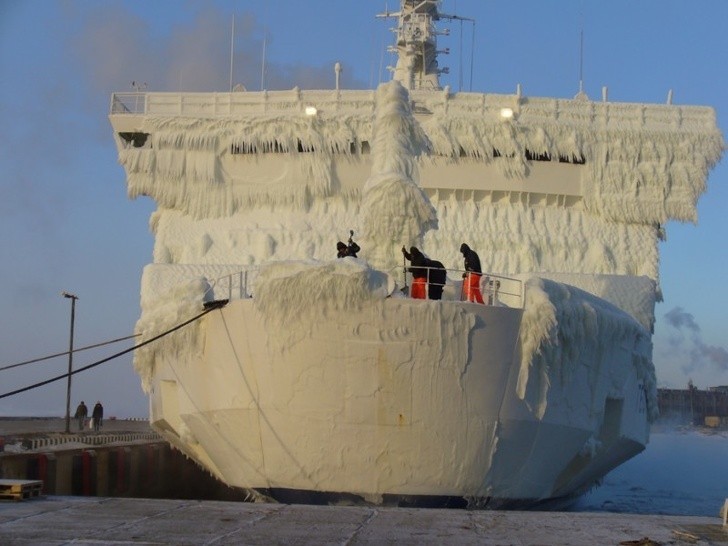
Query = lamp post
x=73 y=299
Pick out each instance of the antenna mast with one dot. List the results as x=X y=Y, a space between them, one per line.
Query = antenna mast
x=581 y=61
x=232 y=42
x=581 y=94
x=416 y=43
x=262 y=64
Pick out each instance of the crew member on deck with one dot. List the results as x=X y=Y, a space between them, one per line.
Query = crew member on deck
x=342 y=250
x=437 y=279
x=471 y=282
x=419 y=272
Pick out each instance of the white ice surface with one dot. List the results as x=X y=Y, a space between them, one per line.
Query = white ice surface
x=213 y=215
x=564 y=328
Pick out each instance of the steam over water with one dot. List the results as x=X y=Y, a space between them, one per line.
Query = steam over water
x=682 y=472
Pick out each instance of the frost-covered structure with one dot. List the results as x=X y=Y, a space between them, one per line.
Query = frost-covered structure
x=320 y=376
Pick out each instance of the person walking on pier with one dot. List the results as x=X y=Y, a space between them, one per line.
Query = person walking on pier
x=81 y=414
x=97 y=415
x=471 y=282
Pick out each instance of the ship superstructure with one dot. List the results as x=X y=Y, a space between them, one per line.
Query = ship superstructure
x=321 y=379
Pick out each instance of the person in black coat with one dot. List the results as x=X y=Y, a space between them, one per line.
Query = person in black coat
x=428 y=276
x=97 y=414
x=419 y=272
x=344 y=250
x=438 y=278
x=81 y=414
x=471 y=282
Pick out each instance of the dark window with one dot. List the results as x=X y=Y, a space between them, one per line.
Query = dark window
x=279 y=148
x=533 y=156
x=137 y=139
x=573 y=159
x=356 y=147
x=264 y=148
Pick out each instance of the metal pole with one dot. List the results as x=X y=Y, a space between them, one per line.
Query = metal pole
x=70 y=361
x=232 y=51
x=262 y=64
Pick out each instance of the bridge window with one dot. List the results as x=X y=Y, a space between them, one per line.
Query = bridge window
x=274 y=147
x=356 y=147
x=534 y=156
x=135 y=139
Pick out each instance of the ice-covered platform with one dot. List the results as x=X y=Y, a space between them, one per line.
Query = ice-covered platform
x=62 y=520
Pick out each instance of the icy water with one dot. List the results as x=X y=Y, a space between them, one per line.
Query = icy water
x=682 y=472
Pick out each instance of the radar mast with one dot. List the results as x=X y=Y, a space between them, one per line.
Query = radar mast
x=416 y=43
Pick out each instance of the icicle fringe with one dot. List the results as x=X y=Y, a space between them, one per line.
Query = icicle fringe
x=555 y=313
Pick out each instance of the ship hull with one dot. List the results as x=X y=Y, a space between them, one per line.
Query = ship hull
x=397 y=401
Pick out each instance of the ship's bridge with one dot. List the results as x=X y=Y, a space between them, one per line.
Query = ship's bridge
x=508 y=148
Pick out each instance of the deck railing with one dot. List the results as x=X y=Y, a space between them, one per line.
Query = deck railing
x=128 y=103
x=533 y=110
x=236 y=286
x=240 y=103
x=497 y=290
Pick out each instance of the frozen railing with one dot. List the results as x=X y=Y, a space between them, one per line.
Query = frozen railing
x=236 y=286
x=496 y=289
x=533 y=110
x=293 y=101
x=128 y=103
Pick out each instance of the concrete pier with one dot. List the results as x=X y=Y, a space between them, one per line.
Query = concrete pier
x=125 y=459
x=63 y=520
x=108 y=472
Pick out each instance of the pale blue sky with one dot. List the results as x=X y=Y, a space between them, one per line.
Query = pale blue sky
x=67 y=223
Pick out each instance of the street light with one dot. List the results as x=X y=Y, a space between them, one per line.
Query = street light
x=73 y=299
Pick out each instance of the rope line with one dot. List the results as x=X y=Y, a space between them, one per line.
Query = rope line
x=209 y=306
x=66 y=352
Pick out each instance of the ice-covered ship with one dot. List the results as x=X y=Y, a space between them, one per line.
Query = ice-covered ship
x=315 y=378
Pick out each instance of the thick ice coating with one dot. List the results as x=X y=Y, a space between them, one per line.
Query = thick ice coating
x=320 y=365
